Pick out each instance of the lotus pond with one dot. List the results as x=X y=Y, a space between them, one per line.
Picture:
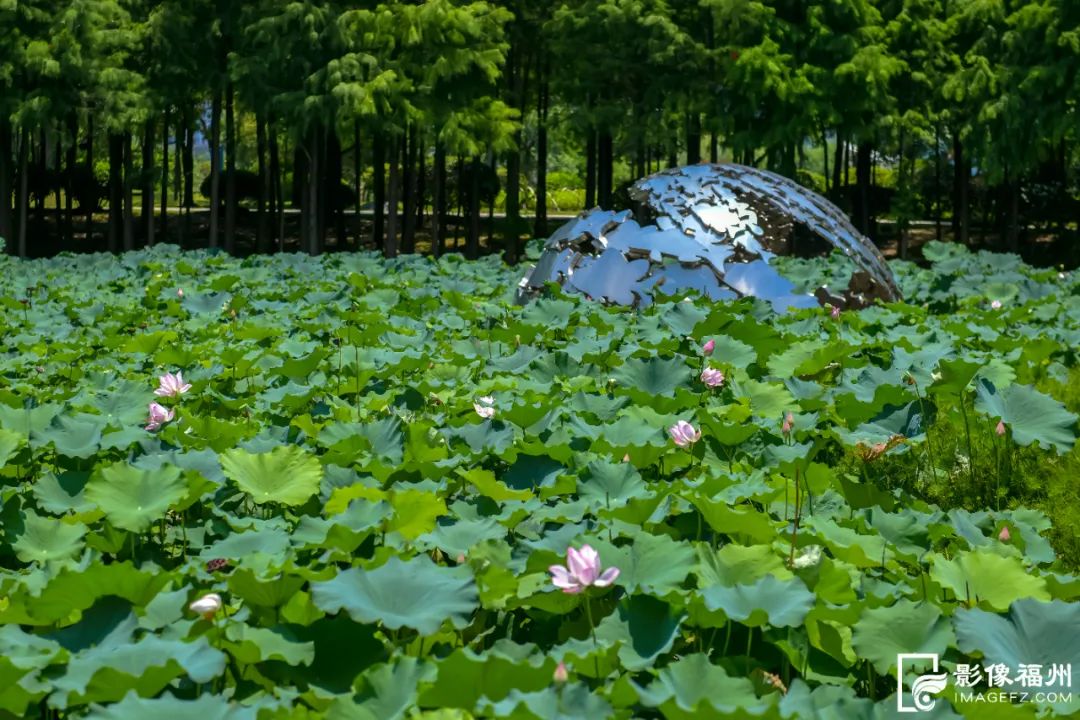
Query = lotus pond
x=355 y=508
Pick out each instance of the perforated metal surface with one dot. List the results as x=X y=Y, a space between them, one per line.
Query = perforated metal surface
x=713 y=228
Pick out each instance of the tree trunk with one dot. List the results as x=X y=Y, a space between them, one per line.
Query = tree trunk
x=693 y=138
x=24 y=189
x=491 y=203
x=438 y=211
x=1012 y=234
x=69 y=164
x=421 y=180
x=542 y=158
x=261 y=225
x=148 y=181
x=472 y=244
x=605 y=170
x=714 y=148
x=41 y=160
x=390 y=247
x=92 y=177
x=165 y=175
x=230 y=170
x=825 y=155
x=333 y=200
x=58 y=173
x=863 y=172
x=277 y=196
x=6 y=178
x=960 y=191
x=116 y=190
x=378 y=162
x=358 y=179
x=215 y=167
x=307 y=168
x=838 y=162
x=513 y=202
x=129 y=200
x=179 y=133
x=937 y=182
x=902 y=187
x=189 y=171
x=590 y=170
x=409 y=156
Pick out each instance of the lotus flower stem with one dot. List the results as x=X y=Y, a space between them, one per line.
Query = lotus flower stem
x=727 y=639
x=749 y=641
x=929 y=445
x=967 y=432
x=795 y=523
x=592 y=631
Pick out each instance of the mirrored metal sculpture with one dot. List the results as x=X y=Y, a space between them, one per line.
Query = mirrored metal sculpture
x=714 y=229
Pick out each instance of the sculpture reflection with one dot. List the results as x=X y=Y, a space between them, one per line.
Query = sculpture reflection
x=712 y=228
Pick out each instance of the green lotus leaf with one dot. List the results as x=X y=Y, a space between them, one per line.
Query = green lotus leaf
x=572 y=702
x=607 y=484
x=390 y=691
x=737 y=520
x=134 y=498
x=286 y=475
x=691 y=687
x=1030 y=415
x=9 y=443
x=107 y=672
x=251 y=645
x=780 y=603
x=207 y=707
x=738 y=564
x=983 y=577
x=415 y=512
x=26 y=421
x=72 y=436
x=465 y=676
x=653 y=376
x=904 y=627
x=417 y=594
x=1032 y=633
x=654 y=564
x=906 y=421
x=45 y=539
x=643 y=628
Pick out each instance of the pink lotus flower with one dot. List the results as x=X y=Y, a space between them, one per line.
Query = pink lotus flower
x=180 y=293
x=708 y=347
x=712 y=377
x=1000 y=429
x=159 y=415
x=485 y=407
x=835 y=312
x=172 y=385
x=1004 y=536
x=996 y=304
x=582 y=570
x=683 y=433
x=561 y=674
x=789 y=422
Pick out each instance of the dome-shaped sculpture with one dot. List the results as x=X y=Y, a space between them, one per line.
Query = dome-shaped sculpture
x=713 y=228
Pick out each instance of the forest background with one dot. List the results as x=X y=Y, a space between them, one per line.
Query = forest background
x=276 y=124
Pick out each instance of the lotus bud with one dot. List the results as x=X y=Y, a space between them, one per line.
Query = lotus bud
x=561 y=674
x=1004 y=536
x=207 y=605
